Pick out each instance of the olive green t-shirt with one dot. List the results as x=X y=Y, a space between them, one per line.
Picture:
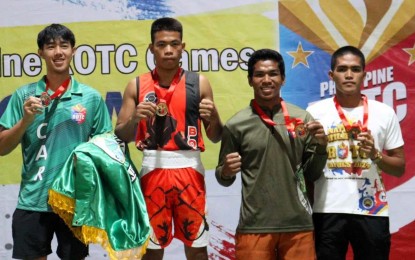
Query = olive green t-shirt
x=270 y=198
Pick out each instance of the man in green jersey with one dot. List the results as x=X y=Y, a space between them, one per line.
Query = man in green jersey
x=49 y=118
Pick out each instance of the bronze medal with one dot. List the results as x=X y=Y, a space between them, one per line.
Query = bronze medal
x=45 y=99
x=353 y=132
x=162 y=109
x=300 y=130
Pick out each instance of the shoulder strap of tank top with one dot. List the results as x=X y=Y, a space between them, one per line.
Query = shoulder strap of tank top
x=137 y=86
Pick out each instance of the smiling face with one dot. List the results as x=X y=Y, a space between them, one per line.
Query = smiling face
x=266 y=81
x=58 y=55
x=348 y=74
x=167 y=49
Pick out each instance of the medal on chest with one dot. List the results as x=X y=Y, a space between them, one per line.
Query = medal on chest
x=353 y=130
x=46 y=99
x=163 y=99
x=162 y=109
x=295 y=126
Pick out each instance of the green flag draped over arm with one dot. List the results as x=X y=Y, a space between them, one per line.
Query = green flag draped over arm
x=98 y=195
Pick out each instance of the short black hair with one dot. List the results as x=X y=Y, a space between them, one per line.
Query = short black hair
x=53 y=32
x=346 y=50
x=266 y=54
x=166 y=24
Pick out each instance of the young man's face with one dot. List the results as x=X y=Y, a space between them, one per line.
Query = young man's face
x=167 y=49
x=348 y=74
x=57 y=55
x=266 y=81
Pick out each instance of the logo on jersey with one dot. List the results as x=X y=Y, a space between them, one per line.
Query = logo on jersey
x=78 y=114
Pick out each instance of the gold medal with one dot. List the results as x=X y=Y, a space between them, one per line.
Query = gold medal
x=45 y=99
x=162 y=109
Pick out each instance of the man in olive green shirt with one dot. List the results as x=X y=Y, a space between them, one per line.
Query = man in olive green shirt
x=265 y=142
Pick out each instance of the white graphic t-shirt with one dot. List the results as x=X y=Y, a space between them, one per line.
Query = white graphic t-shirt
x=351 y=182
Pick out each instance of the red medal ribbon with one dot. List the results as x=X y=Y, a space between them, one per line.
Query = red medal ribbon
x=290 y=124
x=264 y=117
x=169 y=93
x=62 y=88
x=342 y=116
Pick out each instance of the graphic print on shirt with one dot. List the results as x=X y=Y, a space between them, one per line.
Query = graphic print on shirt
x=78 y=113
x=344 y=158
x=345 y=161
x=373 y=203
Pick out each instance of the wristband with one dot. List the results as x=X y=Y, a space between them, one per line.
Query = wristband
x=378 y=157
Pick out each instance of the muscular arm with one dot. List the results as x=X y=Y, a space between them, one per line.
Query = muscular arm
x=10 y=138
x=126 y=125
x=393 y=162
x=130 y=114
x=208 y=112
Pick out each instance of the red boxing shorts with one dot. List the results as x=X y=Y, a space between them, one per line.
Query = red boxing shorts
x=175 y=198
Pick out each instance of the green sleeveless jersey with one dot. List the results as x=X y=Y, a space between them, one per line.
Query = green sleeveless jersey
x=68 y=121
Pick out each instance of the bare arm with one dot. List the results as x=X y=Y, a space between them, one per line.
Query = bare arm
x=393 y=162
x=130 y=114
x=10 y=138
x=208 y=112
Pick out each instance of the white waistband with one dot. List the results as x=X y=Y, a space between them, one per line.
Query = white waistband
x=153 y=159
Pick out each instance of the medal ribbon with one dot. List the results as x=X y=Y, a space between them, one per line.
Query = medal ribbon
x=62 y=88
x=344 y=119
x=289 y=123
x=157 y=88
x=264 y=117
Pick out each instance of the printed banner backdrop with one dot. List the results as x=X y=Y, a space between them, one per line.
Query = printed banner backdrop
x=112 y=39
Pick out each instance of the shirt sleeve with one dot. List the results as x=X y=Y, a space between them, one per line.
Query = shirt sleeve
x=102 y=120
x=13 y=112
x=228 y=145
x=394 y=137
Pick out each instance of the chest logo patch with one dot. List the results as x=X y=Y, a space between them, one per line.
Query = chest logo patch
x=78 y=114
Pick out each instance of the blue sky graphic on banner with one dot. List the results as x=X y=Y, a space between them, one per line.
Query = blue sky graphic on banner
x=116 y=10
x=305 y=67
